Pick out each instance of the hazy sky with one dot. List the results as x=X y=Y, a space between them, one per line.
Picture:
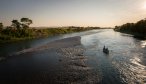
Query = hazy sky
x=104 y=13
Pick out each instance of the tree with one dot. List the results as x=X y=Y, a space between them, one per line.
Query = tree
x=139 y=27
x=26 y=22
x=16 y=24
x=1 y=26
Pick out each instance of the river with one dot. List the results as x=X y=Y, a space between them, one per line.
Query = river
x=125 y=63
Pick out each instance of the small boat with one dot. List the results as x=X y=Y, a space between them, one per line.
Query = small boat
x=105 y=50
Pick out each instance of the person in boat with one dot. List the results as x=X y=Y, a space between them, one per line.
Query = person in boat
x=105 y=50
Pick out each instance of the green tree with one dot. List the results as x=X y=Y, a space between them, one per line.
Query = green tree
x=26 y=22
x=139 y=27
x=16 y=24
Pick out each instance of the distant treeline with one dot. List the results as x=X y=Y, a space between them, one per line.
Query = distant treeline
x=20 y=30
x=137 y=29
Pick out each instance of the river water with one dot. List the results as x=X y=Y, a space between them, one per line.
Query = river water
x=125 y=63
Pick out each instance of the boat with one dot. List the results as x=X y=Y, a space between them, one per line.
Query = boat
x=105 y=50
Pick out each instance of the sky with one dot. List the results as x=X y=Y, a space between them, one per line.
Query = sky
x=48 y=13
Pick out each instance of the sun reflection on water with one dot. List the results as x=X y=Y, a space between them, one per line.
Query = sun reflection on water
x=138 y=68
x=143 y=44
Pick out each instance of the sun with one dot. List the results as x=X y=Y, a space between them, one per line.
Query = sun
x=144 y=6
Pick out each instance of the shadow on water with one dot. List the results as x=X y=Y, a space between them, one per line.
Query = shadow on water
x=30 y=68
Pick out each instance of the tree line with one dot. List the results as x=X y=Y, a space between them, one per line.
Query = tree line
x=18 y=29
x=138 y=27
x=23 y=24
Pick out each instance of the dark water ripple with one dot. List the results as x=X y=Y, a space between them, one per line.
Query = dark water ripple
x=125 y=63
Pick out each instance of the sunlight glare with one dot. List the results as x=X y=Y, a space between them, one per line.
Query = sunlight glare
x=143 y=44
x=144 y=6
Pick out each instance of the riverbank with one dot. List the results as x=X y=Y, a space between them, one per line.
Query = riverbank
x=60 y=61
x=138 y=29
x=135 y=35
x=10 y=35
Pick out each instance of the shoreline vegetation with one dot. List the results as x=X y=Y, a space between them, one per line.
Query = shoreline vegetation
x=138 y=29
x=21 y=31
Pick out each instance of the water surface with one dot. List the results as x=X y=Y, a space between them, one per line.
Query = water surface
x=125 y=64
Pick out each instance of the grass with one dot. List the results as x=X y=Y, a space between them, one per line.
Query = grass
x=18 y=35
